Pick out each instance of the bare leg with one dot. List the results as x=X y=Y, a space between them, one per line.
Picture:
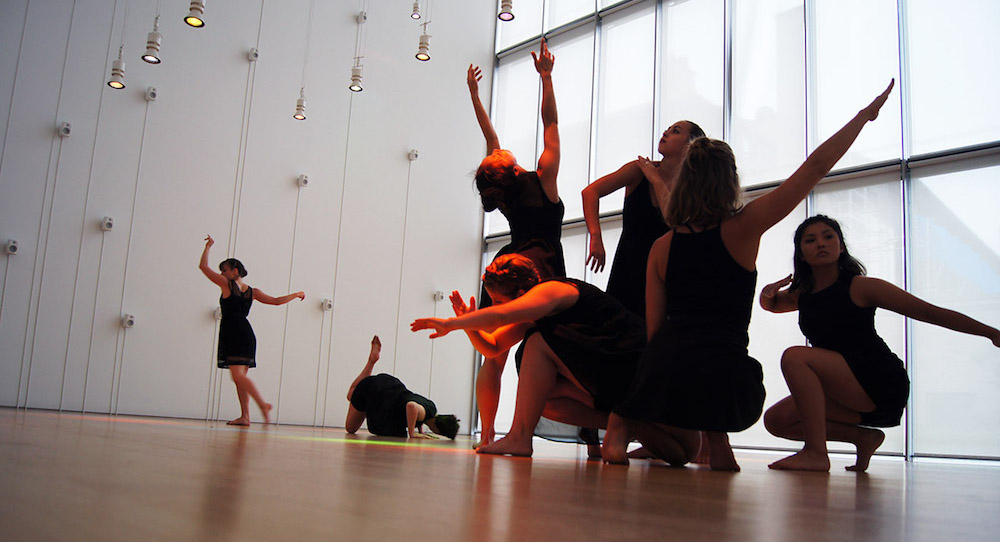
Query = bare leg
x=535 y=385
x=782 y=420
x=722 y=457
x=704 y=457
x=675 y=446
x=245 y=389
x=366 y=371
x=488 y=395
x=572 y=405
x=815 y=377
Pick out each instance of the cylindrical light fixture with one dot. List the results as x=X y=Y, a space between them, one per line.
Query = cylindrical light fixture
x=300 y=105
x=505 y=10
x=416 y=10
x=423 y=52
x=153 y=43
x=356 y=79
x=195 y=16
x=117 y=80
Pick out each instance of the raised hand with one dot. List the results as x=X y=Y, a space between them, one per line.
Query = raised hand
x=209 y=241
x=871 y=112
x=300 y=295
x=544 y=60
x=772 y=289
x=437 y=324
x=459 y=306
x=473 y=77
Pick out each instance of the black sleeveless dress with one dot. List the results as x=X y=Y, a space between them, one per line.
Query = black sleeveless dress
x=696 y=373
x=535 y=233
x=642 y=225
x=598 y=340
x=237 y=343
x=830 y=320
x=383 y=399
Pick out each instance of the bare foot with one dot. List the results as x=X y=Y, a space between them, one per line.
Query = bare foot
x=239 y=421
x=376 y=350
x=704 y=457
x=804 y=460
x=593 y=452
x=721 y=453
x=265 y=409
x=508 y=446
x=870 y=442
x=615 y=446
x=640 y=453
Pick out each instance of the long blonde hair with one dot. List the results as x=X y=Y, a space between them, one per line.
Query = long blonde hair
x=707 y=189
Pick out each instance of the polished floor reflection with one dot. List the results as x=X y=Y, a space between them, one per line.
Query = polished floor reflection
x=67 y=476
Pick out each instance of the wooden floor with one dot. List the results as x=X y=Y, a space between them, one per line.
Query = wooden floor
x=67 y=476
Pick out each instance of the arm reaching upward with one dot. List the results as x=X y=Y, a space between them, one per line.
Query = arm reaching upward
x=492 y=141
x=548 y=162
x=207 y=270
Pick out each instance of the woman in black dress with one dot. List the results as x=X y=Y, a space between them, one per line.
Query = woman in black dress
x=530 y=202
x=647 y=190
x=237 y=343
x=390 y=409
x=848 y=381
x=581 y=346
x=695 y=374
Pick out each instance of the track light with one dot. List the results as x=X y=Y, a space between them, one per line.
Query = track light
x=117 y=80
x=416 y=11
x=356 y=79
x=300 y=105
x=153 y=43
x=195 y=16
x=423 y=52
x=505 y=10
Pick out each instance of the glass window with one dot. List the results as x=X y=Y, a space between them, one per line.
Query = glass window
x=625 y=94
x=692 y=65
x=526 y=25
x=953 y=74
x=573 y=81
x=855 y=57
x=955 y=263
x=768 y=89
x=560 y=12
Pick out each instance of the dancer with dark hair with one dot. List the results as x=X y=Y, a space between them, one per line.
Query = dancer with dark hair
x=848 y=382
x=647 y=191
x=695 y=374
x=390 y=408
x=530 y=202
x=237 y=342
x=581 y=346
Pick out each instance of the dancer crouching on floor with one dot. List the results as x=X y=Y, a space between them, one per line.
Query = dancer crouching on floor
x=848 y=382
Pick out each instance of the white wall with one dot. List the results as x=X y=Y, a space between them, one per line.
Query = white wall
x=218 y=152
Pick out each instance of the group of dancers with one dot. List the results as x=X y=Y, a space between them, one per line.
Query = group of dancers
x=661 y=356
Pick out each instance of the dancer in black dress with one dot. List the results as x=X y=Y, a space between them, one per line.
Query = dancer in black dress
x=848 y=381
x=237 y=343
x=580 y=354
x=647 y=190
x=695 y=374
x=530 y=202
x=390 y=409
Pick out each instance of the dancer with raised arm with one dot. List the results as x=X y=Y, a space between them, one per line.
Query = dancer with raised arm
x=695 y=374
x=581 y=346
x=848 y=382
x=647 y=191
x=390 y=408
x=237 y=342
x=530 y=202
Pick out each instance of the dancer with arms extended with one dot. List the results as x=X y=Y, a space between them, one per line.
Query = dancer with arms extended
x=695 y=374
x=848 y=382
x=237 y=342
x=581 y=346
x=647 y=190
x=530 y=202
x=390 y=408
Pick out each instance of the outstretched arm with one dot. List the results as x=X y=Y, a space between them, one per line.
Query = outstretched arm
x=774 y=299
x=548 y=162
x=872 y=292
x=762 y=213
x=264 y=298
x=488 y=344
x=492 y=141
x=212 y=274
x=415 y=415
x=627 y=176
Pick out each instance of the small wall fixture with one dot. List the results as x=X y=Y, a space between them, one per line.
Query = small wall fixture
x=506 y=13
x=300 y=105
x=423 y=51
x=153 y=43
x=302 y=181
x=64 y=129
x=128 y=321
x=11 y=247
x=107 y=223
x=327 y=304
x=196 y=14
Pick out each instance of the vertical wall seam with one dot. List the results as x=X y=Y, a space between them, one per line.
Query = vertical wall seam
x=284 y=333
x=13 y=85
x=402 y=263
